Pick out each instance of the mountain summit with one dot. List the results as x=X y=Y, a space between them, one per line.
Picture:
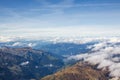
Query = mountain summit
x=79 y=71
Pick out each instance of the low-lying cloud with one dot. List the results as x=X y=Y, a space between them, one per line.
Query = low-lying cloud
x=106 y=54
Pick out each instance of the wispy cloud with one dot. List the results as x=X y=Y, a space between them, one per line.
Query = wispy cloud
x=65 y=13
x=82 y=5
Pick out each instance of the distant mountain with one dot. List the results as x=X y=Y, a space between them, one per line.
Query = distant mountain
x=60 y=48
x=27 y=63
x=34 y=60
x=67 y=48
x=79 y=71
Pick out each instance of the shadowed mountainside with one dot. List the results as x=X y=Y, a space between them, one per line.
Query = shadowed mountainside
x=27 y=63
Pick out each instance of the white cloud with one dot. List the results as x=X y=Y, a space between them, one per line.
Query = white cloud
x=105 y=63
x=17 y=44
x=106 y=54
x=5 y=39
x=115 y=70
x=24 y=63
x=31 y=44
x=99 y=46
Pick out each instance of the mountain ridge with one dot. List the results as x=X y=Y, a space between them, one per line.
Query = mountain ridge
x=79 y=71
x=27 y=63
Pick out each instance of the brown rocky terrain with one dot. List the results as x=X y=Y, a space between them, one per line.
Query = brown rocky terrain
x=79 y=71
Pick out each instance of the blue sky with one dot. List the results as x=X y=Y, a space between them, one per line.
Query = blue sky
x=59 y=17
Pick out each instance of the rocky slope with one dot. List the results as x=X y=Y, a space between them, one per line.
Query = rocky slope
x=79 y=71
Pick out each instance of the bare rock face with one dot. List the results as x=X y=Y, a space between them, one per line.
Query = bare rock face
x=79 y=71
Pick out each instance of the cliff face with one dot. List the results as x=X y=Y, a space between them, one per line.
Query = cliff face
x=80 y=71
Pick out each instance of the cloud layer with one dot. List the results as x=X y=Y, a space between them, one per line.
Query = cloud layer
x=106 y=54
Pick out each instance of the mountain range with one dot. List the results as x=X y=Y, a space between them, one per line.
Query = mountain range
x=45 y=60
x=27 y=63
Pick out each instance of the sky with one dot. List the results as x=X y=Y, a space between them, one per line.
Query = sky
x=59 y=18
